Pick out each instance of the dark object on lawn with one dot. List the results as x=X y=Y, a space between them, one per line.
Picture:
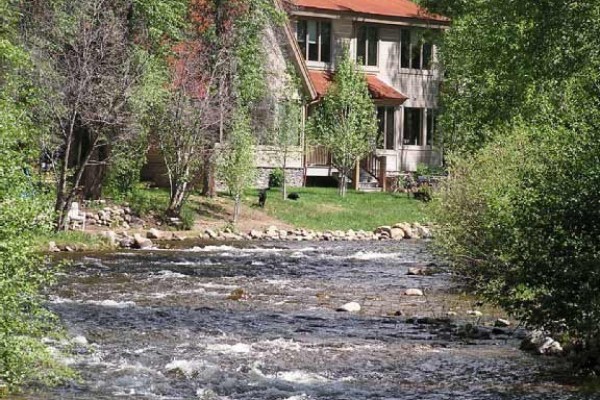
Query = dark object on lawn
x=423 y=193
x=262 y=197
x=293 y=196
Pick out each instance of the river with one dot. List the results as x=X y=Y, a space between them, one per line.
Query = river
x=219 y=322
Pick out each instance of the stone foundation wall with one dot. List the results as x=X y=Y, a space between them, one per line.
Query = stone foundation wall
x=294 y=176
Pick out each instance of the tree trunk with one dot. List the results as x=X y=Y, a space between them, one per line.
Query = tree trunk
x=208 y=174
x=342 y=183
x=178 y=194
x=236 y=209
x=284 y=181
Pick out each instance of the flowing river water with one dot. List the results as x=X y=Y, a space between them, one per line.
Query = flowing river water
x=219 y=322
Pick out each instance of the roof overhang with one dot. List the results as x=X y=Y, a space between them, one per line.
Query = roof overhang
x=381 y=92
x=296 y=56
x=394 y=12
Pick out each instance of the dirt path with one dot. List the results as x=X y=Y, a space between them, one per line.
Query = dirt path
x=217 y=213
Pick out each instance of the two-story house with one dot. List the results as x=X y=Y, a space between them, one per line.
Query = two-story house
x=393 y=42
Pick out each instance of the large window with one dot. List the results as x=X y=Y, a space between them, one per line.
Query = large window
x=415 y=51
x=367 y=43
x=419 y=126
x=413 y=126
x=314 y=39
x=430 y=131
x=386 y=136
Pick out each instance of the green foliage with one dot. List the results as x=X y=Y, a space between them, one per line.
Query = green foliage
x=24 y=211
x=276 y=178
x=502 y=57
x=124 y=170
x=345 y=122
x=236 y=158
x=145 y=202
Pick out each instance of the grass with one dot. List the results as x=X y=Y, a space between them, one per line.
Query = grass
x=323 y=209
x=74 y=239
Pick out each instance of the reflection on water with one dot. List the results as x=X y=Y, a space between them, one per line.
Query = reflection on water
x=165 y=325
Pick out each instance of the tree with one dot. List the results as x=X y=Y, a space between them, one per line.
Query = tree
x=345 y=123
x=213 y=69
x=24 y=212
x=236 y=159
x=519 y=215
x=88 y=69
x=288 y=127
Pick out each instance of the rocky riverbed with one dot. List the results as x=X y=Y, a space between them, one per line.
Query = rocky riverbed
x=287 y=320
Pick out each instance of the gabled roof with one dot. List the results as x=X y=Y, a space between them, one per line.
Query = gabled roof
x=379 y=90
x=376 y=8
x=297 y=58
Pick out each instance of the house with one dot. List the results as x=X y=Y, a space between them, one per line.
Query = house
x=393 y=42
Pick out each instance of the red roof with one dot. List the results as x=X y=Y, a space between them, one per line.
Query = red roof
x=377 y=88
x=380 y=8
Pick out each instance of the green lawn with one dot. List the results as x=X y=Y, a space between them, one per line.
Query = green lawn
x=323 y=209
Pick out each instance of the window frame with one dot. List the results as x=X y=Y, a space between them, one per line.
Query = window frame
x=365 y=61
x=306 y=53
x=425 y=131
x=387 y=110
x=419 y=44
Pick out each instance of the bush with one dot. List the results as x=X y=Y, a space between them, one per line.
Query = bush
x=124 y=170
x=520 y=221
x=276 y=178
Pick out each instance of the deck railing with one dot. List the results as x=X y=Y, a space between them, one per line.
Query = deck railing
x=318 y=156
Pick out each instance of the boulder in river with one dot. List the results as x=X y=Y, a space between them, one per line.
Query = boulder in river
x=141 y=243
x=413 y=292
x=538 y=342
x=352 y=307
x=502 y=323
x=154 y=234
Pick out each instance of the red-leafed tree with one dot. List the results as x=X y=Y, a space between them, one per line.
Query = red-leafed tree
x=212 y=71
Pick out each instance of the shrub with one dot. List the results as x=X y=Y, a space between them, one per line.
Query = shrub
x=520 y=222
x=124 y=170
x=276 y=178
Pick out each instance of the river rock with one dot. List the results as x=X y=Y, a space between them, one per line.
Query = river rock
x=502 y=323
x=352 y=307
x=211 y=234
x=423 y=231
x=80 y=340
x=256 y=234
x=53 y=248
x=413 y=292
x=154 y=234
x=111 y=237
x=384 y=230
x=141 y=243
x=126 y=242
x=538 y=342
x=475 y=313
x=416 y=271
x=397 y=233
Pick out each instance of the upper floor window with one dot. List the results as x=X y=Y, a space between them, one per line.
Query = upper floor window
x=367 y=43
x=314 y=39
x=415 y=51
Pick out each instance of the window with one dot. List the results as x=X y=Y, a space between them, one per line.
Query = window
x=415 y=51
x=430 y=131
x=413 y=123
x=314 y=39
x=386 y=136
x=367 y=42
